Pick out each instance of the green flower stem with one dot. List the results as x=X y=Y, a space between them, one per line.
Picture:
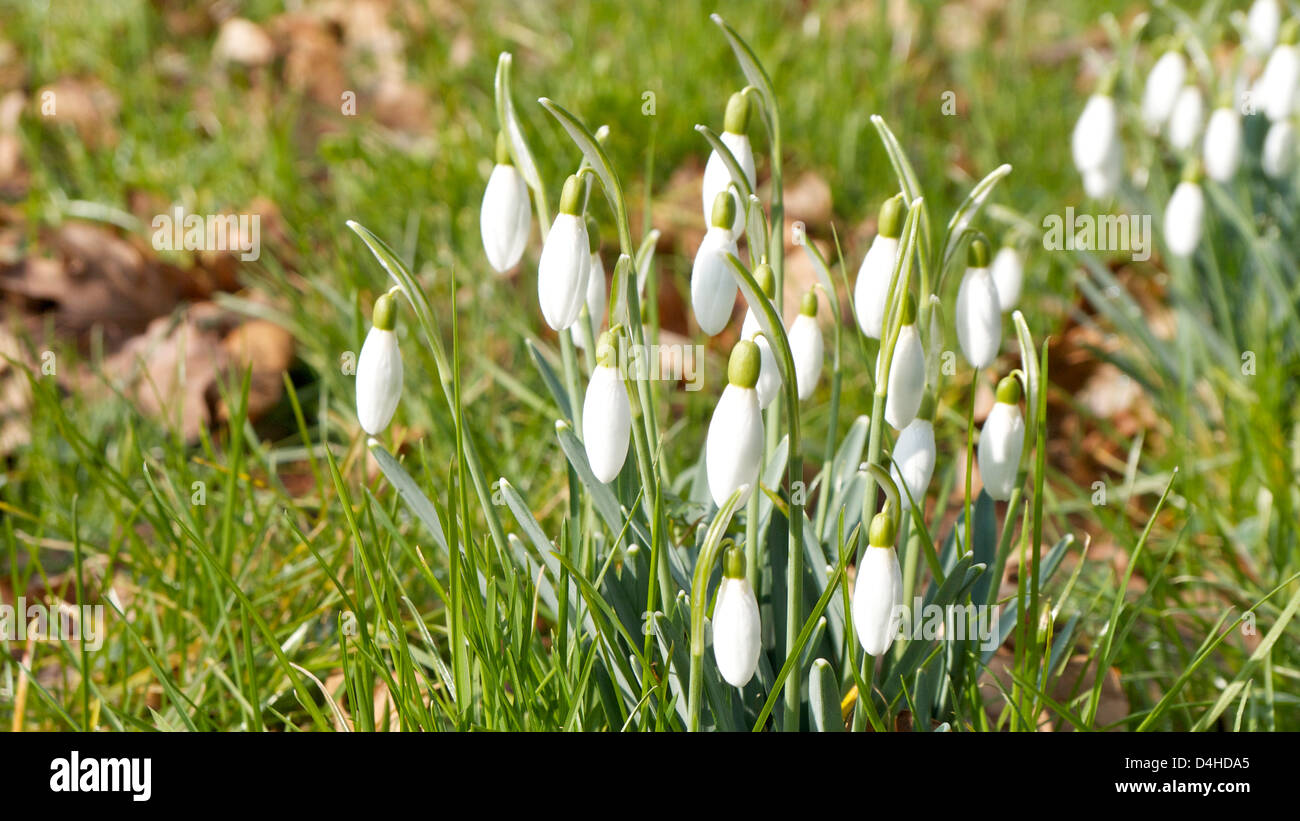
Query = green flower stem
x=709 y=553
x=774 y=330
x=1004 y=542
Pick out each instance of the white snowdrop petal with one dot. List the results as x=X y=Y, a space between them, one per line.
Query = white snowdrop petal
x=713 y=288
x=1001 y=440
x=1278 y=153
x=1186 y=119
x=877 y=595
x=906 y=379
x=872 y=287
x=505 y=218
x=1263 y=24
x=733 y=450
x=1094 y=133
x=379 y=380
x=606 y=422
x=737 y=631
x=769 y=375
x=978 y=317
x=1102 y=182
x=914 y=453
x=1184 y=217
x=596 y=302
x=1008 y=271
x=563 y=270
x=718 y=179
x=808 y=351
x=1222 y=150
x=1166 y=78
x=1276 y=90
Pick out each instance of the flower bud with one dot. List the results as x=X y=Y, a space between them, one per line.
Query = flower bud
x=565 y=265
x=1186 y=119
x=1183 y=218
x=1096 y=134
x=737 y=628
x=906 y=372
x=606 y=415
x=1276 y=89
x=1222 y=150
x=733 y=450
x=713 y=288
x=878 y=591
x=979 y=314
x=505 y=216
x=596 y=293
x=1001 y=440
x=872 y=287
x=807 y=347
x=1278 y=153
x=1163 y=83
x=379 y=370
x=1008 y=276
x=914 y=458
x=1263 y=24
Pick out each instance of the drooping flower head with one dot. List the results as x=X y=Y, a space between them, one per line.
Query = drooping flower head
x=906 y=371
x=979 y=313
x=737 y=629
x=872 y=288
x=769 y=375
x=878 y=591
x=606 y=413
x=1185 y=214
x=733 y=450
x=379 y=369
x=713 y=288
x=506 y=214
x=566 y=261
x=806 y=346
x=596 y=293
x=1008 y=276
x=913 y=457
x=1001 y=440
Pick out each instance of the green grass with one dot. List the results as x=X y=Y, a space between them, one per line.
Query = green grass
x=237 y=613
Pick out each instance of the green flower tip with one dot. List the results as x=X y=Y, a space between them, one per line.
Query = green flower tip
x=977 y=255
x=744 y=365
x=926 y=411
x=733 y=563
x=765 y=279
x=593 y=234
x=385 y=314
x=1009 y=390
x=1192 y=171
x=606 y=350
x=503 y=149
x=883 y=530
x=724 y=210
x=737 y=119
x=571 y=197
x=809 y=305
x=909 y=310
x=892 y=213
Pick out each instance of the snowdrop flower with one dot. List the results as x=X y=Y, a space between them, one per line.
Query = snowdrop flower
x=1278 y=153
x=566 y=261
x=717 y=179
x=713 y=288
x=1163 y=83
x=1008 y=276
x=1096 y=134
x=1102 y=182
x=914 y=457
x=596 y=295
x=379 y=369
x=806 y=346
x=1262 y=25
x=906 y=372
x=872 y=287
x=769 y=375
x=979 y=314
x=1222 y=150
x=733 y=450
x=1184 y=216
x=737 y=629
x=606 y=413
x=878 y=591
x=1001 y=440
x=506 y=216
x=1276 y=89
x=1186 y=119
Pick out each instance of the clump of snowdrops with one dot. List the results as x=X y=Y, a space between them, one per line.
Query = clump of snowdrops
x=654 y=562
x=1193 y=121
